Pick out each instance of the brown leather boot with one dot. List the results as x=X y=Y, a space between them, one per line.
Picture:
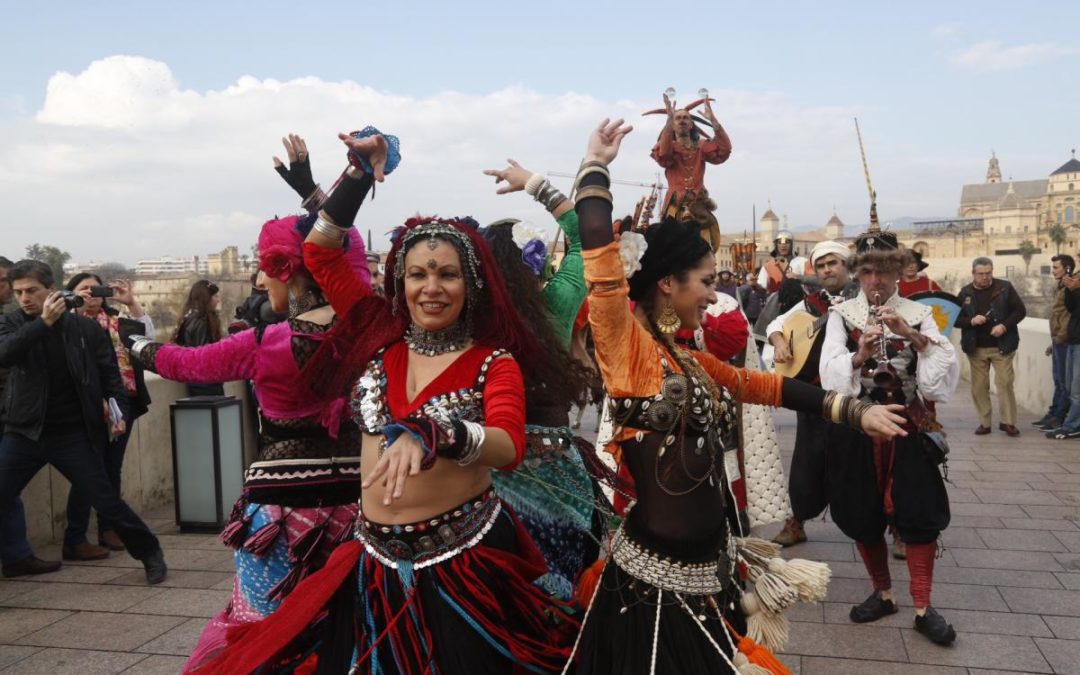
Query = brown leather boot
x=793 y=533
x=110 y=540
x=84 y=550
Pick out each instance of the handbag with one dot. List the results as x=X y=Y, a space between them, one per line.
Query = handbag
x=935 y=446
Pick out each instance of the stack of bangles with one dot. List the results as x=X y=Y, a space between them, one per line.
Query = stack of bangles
x=590 y=191
x=325 y=226
x=462 y=441
x=846 y=410
x=544 y=192
x=314 y=201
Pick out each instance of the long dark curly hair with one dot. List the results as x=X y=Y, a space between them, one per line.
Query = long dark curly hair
x=574 y=379
x=199 y=303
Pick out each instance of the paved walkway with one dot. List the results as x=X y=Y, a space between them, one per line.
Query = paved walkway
x=1009 y=580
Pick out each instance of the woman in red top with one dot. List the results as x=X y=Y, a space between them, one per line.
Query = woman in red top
x=444 y=570
x=914 y=281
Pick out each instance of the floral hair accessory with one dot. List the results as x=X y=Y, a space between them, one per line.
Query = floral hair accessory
x=632 y=247
x=393 y=151
x=533 y=250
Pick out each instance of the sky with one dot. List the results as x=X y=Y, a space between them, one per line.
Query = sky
x=134 y=130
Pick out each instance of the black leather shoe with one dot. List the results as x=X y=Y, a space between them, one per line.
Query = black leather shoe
x=935 y=627
x=31 y=565
x=156 y=569
x=872 y=609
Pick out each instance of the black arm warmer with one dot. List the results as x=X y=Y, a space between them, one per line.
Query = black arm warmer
x=803 y=397
x=594 y=215
x=345 y=200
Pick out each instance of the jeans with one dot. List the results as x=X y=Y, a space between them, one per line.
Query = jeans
x=78 y=505
x=14 y=545
x=73 y=455
x=1059 y=405
x=1072 y=376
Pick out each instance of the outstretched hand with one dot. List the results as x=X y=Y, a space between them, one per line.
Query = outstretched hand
x=883 y=421
x=298 y=175
x=514 y=174
x=371 y=148
x=605 y=140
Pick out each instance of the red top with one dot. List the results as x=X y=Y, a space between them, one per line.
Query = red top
x=504 y=387
x=910 y=288
x=684 y=168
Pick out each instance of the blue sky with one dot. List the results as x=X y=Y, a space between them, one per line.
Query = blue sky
x=936 y=85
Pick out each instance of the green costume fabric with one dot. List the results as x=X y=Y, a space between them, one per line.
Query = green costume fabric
x=566 y=291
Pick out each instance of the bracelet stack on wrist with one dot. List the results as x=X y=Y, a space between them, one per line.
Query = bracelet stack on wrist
x=590 y=191
x=466 y=444
x=328 y=229
x=842 y=409
x=541 y=189
x=314 y=201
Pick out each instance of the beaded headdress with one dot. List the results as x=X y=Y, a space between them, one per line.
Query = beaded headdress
x=434 y=229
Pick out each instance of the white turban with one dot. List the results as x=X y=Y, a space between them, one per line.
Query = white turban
x=828 y=246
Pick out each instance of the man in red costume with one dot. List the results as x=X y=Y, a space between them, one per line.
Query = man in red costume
x=683 y=152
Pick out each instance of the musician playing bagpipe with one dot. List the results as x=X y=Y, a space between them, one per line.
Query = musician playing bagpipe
x=796 y=337
x=884 y=348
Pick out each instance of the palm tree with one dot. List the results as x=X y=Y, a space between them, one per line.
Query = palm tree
x=1057 y=234
x=1026 y=251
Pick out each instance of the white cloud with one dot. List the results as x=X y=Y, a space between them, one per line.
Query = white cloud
x=122 y=162
x=992 y=55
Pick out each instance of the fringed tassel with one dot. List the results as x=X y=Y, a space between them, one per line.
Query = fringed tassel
x=235 y=532
x=588 y=581
x=744 y=667
x=766 y=628
x=809 y=579
x=287 y=583
x=760 y=549
x=259 y=543
x=774 y=593
x=303 y=547
x=753 y=657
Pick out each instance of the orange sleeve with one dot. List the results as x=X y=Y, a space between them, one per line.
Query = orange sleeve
x=748 y=386
x=626 y=352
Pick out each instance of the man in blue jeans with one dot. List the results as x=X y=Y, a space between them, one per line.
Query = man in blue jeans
x=61 y=369
x=1070 y=427
x=1061 y=267
x=17 y=557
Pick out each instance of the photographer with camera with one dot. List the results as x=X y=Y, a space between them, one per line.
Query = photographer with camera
x=62 y=369
x=94 y=293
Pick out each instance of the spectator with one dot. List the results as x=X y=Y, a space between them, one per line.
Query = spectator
x=15 y=552
x=255 y=310
x=76 y=546
x=61 y=371
x=1070 y=427
x=1061 y=267
x=727 y=284
x=990 y=310
x=752 y=298
x=200 y=326
x=374 y=261
x=914 y=280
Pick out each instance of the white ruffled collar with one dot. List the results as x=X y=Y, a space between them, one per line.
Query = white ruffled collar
x=857 y=310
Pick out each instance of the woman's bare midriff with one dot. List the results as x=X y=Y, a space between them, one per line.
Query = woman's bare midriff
x=427 y=494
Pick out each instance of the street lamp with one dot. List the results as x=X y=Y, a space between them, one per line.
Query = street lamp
x=208 y=460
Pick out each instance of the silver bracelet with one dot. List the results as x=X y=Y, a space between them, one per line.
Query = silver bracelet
x=138 y=343
x=475 y=436
x=329 y=230
x=314 y=201
x=535 y=182
x=550 y=197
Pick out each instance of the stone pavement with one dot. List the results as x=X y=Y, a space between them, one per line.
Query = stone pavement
x=1009 y=580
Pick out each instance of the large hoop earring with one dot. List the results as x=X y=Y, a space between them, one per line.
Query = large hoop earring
x=668 y=322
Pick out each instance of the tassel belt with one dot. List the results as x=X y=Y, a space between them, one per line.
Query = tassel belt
x=433 y=540
x=664 y=573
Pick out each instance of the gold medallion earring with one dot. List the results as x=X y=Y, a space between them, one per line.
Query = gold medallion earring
x=668 y=321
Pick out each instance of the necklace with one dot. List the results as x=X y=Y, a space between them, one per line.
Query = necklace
x=432 y=343
x=307 y=301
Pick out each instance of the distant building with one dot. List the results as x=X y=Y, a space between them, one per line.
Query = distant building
x=169 y=265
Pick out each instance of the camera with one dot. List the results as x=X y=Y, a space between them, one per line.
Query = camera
x=101 y=292
x=72 y=299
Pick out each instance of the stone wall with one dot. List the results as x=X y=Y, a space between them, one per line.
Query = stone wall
x=147 y=481
x=1034 y=385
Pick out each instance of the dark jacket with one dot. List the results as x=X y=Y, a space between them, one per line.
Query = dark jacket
x=1072 y=303
x=1008 y=310
x=90 y=360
